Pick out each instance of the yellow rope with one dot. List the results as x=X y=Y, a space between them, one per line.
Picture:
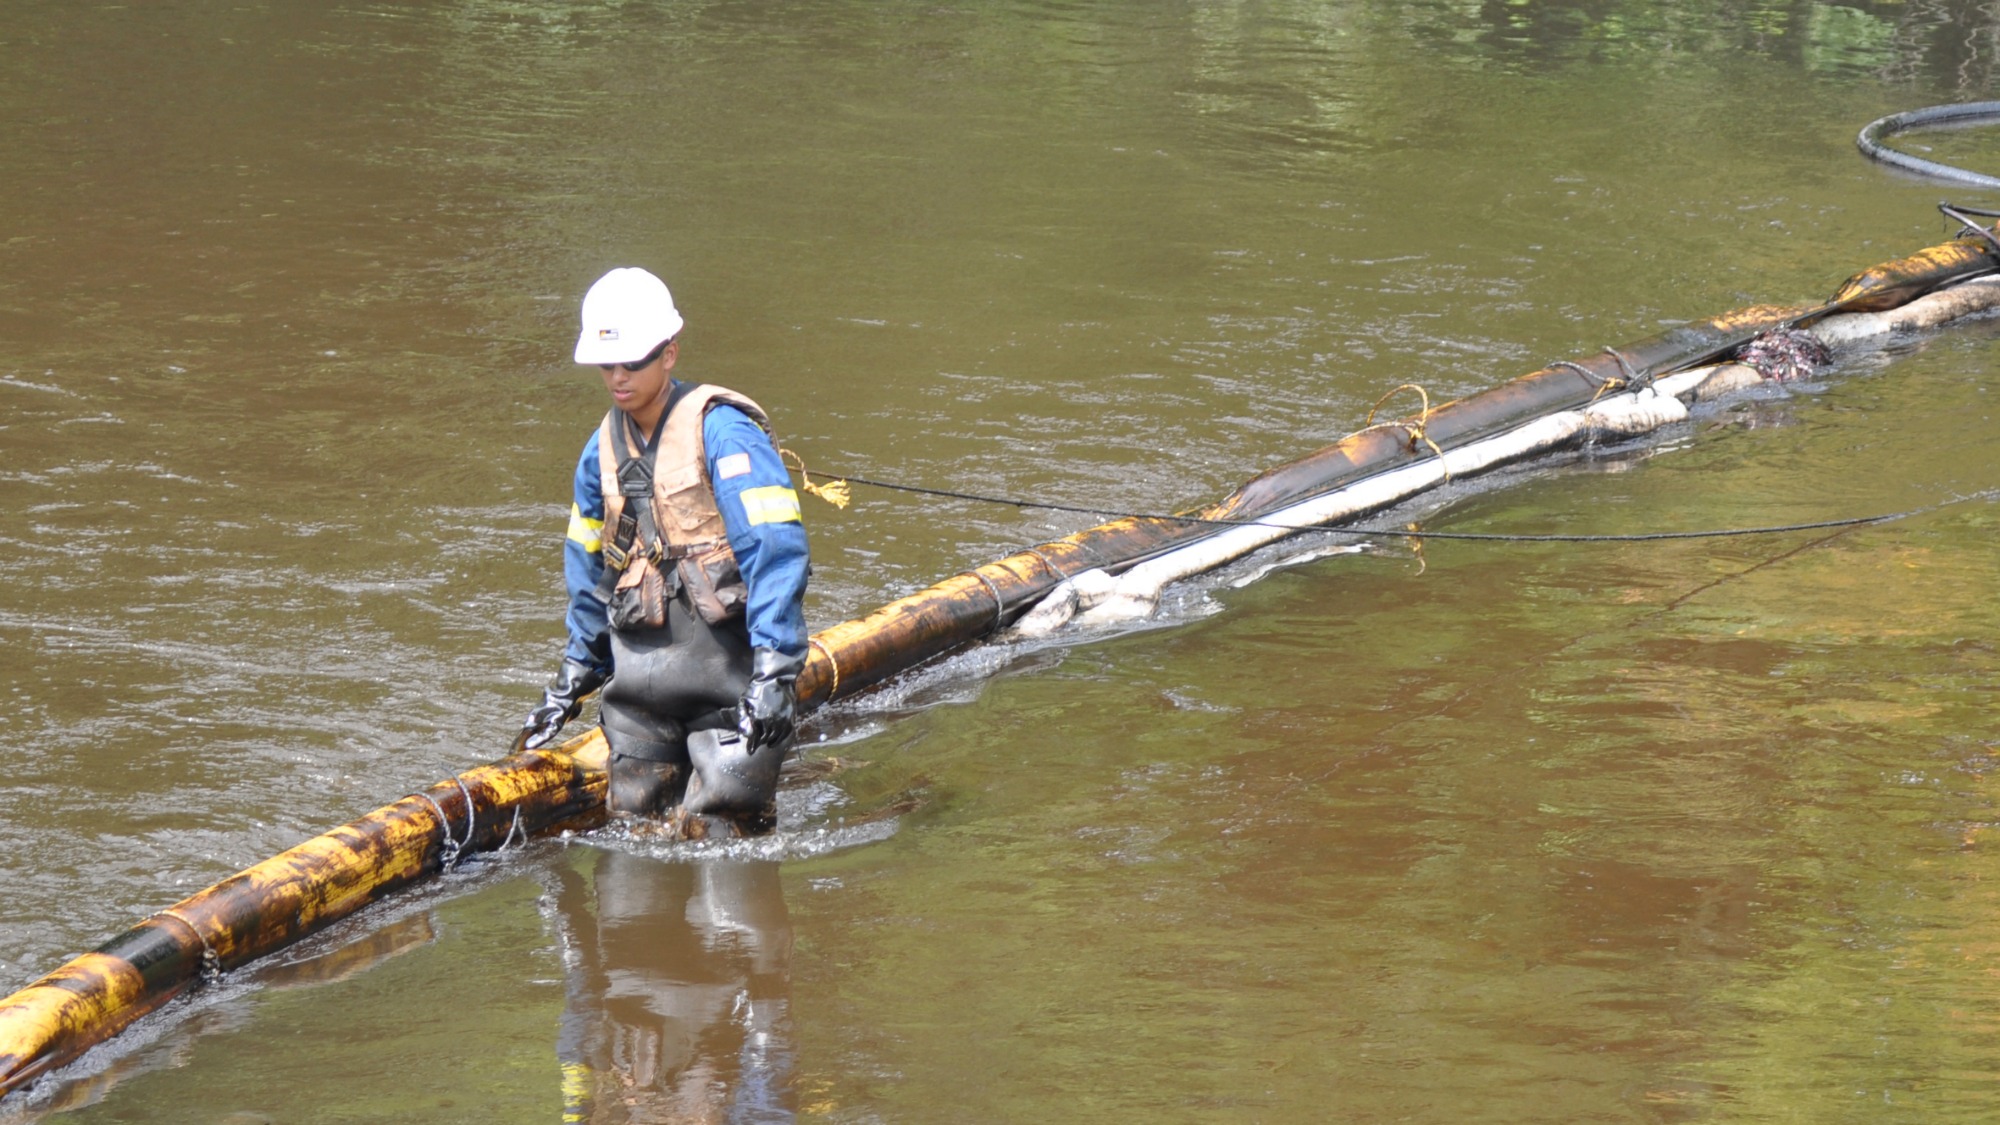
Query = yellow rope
x=1414 y=428
x=833 y=492
x=831 y=662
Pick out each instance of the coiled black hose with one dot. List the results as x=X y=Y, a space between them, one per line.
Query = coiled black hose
x=1964 y=113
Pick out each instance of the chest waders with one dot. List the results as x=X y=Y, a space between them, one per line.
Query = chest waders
x=677 y=671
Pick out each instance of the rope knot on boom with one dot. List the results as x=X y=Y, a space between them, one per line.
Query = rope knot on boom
x=1414 y=427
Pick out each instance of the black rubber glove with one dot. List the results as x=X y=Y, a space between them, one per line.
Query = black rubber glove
x=561 y=700
x=766 y=714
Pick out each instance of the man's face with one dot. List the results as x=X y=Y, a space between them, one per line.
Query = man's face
x=632 y=390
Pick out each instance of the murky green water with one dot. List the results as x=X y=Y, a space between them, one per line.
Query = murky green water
x=1665 y=832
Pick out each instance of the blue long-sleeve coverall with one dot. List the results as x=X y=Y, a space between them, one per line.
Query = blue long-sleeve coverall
x=760 y=512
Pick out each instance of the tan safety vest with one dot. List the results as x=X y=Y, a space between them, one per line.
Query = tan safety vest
x=684 y=511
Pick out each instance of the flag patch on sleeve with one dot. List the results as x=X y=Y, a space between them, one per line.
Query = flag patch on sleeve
x=734 y=465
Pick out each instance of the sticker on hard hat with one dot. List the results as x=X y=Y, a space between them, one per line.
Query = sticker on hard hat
x=607 y=333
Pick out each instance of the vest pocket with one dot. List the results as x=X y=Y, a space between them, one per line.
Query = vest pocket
x=714 y=586
x=688 y=501
x=642 y=603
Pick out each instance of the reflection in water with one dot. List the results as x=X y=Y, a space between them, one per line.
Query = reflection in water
x=679 y=989
x=230 y=1010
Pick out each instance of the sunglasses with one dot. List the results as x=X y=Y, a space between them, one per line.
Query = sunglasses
x=652 y=357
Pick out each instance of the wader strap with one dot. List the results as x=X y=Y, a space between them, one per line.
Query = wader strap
x=636 y=524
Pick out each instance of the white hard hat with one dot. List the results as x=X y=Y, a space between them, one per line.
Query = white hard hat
x=626 y=315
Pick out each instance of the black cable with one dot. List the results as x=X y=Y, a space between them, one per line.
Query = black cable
x=1969 y=113
x=1399 y=533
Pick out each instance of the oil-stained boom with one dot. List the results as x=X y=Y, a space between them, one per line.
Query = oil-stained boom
x=285 y=898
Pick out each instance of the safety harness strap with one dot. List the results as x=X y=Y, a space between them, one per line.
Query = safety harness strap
x=636 y=456
x=636 y=523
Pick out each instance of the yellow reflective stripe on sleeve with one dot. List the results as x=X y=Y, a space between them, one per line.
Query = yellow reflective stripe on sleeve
x=587 y=533
x=771 y=504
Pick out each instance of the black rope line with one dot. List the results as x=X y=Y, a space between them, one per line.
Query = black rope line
x=1964 y=217
x=1589 y=376
x=1405 y=533
x=1632 y=378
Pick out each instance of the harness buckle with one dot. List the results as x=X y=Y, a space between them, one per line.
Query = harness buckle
x=635 y=479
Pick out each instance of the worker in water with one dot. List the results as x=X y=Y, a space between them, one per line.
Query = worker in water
x=686 y=566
